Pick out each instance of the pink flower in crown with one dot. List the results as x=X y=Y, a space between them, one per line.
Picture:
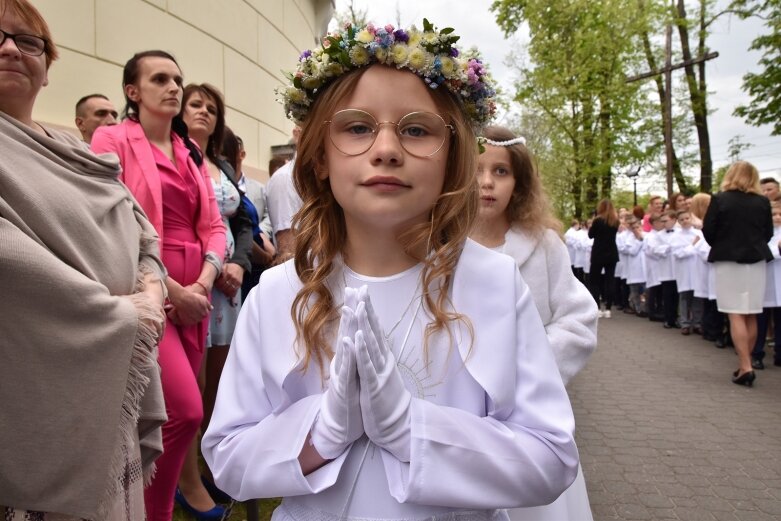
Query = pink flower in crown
x=370 y=27
x=474 y=71
x=389 y=28
x=326 y=43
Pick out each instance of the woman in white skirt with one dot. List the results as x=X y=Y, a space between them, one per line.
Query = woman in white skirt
x=738 y=227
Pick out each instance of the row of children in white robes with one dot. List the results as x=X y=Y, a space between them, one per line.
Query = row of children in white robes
x=665 y=255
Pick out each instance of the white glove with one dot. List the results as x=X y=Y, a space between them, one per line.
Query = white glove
x=339 y=422
x=385 y=401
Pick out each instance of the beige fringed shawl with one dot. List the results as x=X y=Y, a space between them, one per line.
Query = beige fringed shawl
x=79 y=381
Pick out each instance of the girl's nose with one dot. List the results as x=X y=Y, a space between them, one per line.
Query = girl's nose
x=484 y=178
x=387 y=146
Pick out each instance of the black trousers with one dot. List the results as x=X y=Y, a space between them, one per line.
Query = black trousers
x=712 y=320
x=653 y=303
x=602 y=284
x=670 y=301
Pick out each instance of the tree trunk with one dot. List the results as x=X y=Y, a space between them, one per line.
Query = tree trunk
x=606 y=143
x=697 y=92
x=649 y=56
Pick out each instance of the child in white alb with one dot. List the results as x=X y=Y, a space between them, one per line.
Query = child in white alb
x=684 y=257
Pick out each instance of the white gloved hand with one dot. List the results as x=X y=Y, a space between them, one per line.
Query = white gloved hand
x=385 y=401
x=339 y=422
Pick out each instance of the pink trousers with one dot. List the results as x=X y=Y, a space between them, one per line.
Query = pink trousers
x=181 y=353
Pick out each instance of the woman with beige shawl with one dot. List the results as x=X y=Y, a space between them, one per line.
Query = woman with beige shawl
x=81 y=301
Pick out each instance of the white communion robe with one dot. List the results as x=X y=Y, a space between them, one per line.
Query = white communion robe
x=569 y=314
x=491 y=424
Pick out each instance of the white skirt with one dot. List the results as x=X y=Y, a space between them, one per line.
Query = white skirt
x=740 y=288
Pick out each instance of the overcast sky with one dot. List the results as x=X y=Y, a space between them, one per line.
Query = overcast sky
x=731 y=37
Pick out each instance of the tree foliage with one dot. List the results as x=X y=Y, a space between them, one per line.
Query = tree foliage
x=579 y=53
x=764 y=87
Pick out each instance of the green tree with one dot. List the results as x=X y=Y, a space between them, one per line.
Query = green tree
x=695 y=77
x=652 y=17
x=764 y=87
x=578 y=56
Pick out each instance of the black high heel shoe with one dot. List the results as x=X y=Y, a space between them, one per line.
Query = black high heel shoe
x=746 y=378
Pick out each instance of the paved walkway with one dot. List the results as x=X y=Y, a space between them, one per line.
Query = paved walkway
x=664 y=434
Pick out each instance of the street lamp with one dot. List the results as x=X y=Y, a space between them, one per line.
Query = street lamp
x=633 y=176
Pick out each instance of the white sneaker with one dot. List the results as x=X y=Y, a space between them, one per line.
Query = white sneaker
x=606 y=313
x=600 y=314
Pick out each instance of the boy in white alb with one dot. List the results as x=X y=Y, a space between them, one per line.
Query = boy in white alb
x=684 y=267
x=654 y=249
x=632 y=248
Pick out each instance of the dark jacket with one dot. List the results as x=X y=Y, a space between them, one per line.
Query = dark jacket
x=241 y=225
x=738 y=226
x=604 y=251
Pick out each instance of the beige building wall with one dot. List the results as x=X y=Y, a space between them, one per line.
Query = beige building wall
x=239 y=46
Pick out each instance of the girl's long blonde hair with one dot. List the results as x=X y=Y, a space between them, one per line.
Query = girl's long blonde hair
x=320 y=231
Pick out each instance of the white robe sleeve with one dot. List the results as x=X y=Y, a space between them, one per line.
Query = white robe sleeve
x=251 y=446
x=634 y=246
x=528 y=458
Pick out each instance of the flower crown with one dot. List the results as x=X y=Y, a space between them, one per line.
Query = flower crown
x=430 y=54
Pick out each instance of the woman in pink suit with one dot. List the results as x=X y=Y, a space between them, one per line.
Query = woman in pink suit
x=164 y=170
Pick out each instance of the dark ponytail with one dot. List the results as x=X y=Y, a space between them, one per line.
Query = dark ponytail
x=180 y=129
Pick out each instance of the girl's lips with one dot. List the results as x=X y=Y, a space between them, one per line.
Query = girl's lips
x=385 y=183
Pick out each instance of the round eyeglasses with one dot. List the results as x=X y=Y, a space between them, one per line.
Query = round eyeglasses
x=421 y=134
x=26 y=43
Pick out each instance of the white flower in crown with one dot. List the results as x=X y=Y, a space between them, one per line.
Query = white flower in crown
x=431 y=54
x=400 y=53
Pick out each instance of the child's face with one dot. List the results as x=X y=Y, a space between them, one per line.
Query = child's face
x=386 y=188
x=776 y=216
x=685 y=220
x=669 y=222
x=495 y=181
x=661 y=223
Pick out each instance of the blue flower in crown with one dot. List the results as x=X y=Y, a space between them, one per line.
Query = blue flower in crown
x=430 y=53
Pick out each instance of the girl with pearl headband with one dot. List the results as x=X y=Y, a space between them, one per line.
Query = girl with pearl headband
x=515 y=218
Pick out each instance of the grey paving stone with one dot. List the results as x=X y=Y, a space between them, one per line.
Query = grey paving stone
x=694 y=514
x=713 y=503
x=753 y=515
x=768 y=506
x=633 y=511
x=655 y=501
x=663 y=513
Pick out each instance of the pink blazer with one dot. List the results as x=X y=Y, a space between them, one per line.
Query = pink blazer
x=140 y=174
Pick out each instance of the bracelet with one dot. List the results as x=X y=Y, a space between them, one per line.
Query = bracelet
x=201 y=284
